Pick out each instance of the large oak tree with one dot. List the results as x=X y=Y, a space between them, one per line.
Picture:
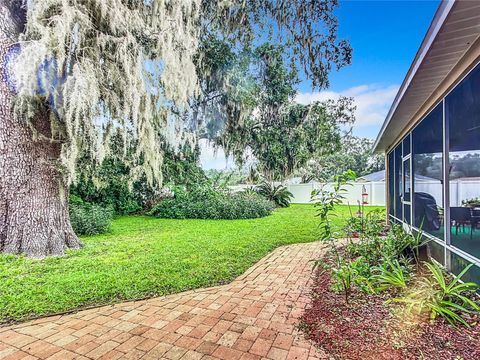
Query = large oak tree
x=74 y=69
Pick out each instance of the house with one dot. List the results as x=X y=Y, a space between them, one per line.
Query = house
x=433 y=130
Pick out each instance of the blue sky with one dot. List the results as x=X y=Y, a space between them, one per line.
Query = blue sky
x=385 y=36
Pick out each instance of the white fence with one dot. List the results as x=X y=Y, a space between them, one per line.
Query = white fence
x=302 y=192
x=375 y=192
x=461 y=189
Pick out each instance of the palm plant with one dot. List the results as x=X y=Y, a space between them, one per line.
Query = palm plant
x=249 y=191
x=278 y=194
x=441 y=297
x=391 y=274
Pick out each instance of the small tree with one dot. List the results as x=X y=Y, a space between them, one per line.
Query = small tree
x=326 y=201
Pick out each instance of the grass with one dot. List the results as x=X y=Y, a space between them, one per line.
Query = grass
x=143 y=257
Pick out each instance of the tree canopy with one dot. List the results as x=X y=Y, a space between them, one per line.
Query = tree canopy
x=101 y=64
x=355 y=153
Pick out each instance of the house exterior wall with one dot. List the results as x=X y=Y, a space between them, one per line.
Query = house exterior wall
x=452 y=143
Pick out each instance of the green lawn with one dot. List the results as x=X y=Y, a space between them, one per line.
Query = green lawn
x=142 y=257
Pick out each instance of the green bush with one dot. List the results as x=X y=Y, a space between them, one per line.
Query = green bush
x=110 y=183
x=89 y=219
x=207 y=203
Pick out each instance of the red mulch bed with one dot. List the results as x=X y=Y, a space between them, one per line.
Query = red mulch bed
x=366 y=329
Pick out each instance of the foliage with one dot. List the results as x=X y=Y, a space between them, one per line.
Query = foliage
x=249 y=191
x=354 y=153
x=182 y=167
x=112 y=189
x=224 y=178
x=474 y=202
x=208 y=203
x=362 y=271
x=277 y=133
x=145 y=257
x=89 y=219
x=343 y=274
x=366 y=224
x=326 y=201
x=391 y=274
x=285 y=142
x=138 y=64
x=378 y=248
x=89 y=59
x=110 y=184
x=247 y=91
x=379 y=262
x=443 y=297
x=278 y=194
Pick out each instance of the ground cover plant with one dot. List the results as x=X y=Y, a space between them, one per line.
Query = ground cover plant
x=144 y=256
x=368 y=329
x=375 y=297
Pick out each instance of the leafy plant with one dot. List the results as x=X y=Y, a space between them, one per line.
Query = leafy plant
x=474 y=202
x=344 y=275
x=325 y=201
x=278 y=194
x=362 y=272
x=363 y=225
x=443 y=297
x=207 y=203
x=391 y=274
x=376 y=249
x=249 y=191
x=89 y=219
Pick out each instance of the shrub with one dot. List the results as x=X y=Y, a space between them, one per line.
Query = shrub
x=277 y=194
x=207 y=203
x=365 y=224
x=89 y=219
x=113 y=189
x=377 y=249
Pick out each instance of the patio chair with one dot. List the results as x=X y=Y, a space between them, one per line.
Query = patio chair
x=461 y=216
x=475 y=218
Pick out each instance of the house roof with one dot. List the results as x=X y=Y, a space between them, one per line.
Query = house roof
x=375 y=176
x=455 y=29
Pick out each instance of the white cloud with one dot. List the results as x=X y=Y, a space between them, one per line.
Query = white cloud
x=372 y=101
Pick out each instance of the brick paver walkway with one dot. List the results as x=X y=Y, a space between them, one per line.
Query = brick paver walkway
x=253 y=317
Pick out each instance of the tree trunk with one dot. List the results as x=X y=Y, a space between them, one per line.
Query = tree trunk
x=34 y=217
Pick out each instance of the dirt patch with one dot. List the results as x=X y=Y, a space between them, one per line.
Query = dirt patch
x=368 y=328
